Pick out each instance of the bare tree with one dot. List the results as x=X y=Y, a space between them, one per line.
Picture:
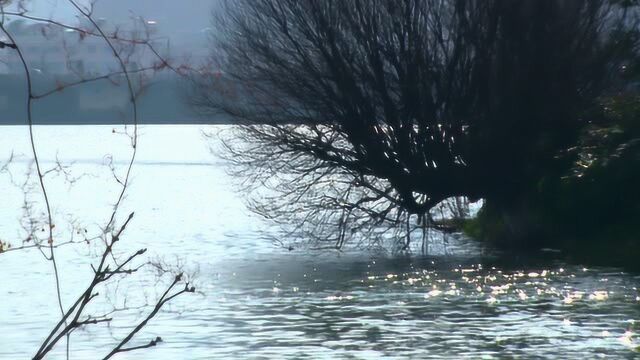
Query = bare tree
x=110 y=267
x=358 y=115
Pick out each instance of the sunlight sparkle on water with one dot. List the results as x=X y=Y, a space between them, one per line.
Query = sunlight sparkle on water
x=565 y=309
x=626 y=338
x=599 y=295
x=522 y=295
x=338 y=297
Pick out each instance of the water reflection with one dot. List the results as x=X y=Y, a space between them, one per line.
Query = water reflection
x=424 y=307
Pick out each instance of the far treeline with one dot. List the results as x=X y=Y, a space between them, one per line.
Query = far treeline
x=363 y=116
x=159 y=98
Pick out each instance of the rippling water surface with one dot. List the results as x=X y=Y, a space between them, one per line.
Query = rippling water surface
x=256 y=300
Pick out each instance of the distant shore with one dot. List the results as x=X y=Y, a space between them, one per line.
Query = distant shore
x=4 y=122
x=164 y=101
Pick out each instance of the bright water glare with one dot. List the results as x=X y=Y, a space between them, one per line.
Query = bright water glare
x=257 y=300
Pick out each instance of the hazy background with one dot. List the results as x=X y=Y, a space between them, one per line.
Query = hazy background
x=180 y=32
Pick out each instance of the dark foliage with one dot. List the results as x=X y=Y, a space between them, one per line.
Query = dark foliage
x=377 y=110
x=591 y=209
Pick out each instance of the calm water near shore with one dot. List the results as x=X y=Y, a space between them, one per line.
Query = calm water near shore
x=258 y=300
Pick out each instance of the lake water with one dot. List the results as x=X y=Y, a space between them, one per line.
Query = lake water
x=258 y=300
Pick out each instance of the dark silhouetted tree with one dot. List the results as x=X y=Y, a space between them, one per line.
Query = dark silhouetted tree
x=359 y=113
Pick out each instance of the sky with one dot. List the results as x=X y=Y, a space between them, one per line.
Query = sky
x=191 y=13
x=178 y=20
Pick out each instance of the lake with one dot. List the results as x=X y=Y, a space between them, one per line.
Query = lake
x=256 y=299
